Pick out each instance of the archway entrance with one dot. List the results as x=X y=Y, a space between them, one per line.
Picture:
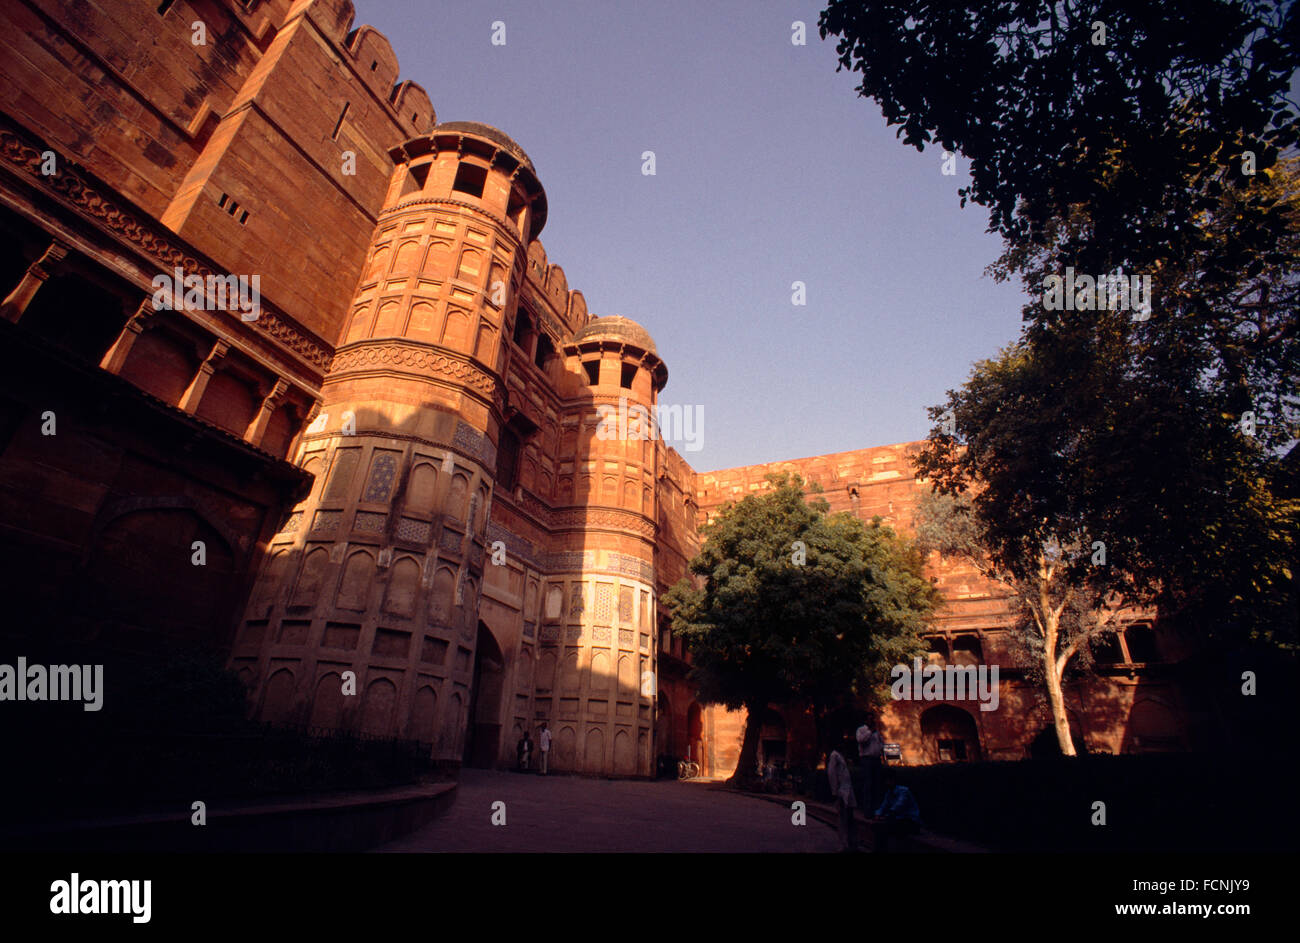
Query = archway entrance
x=695 y=733
x=664 y=725
x=950 y=735
x=483 y=732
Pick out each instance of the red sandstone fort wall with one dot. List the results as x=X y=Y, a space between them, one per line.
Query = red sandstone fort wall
x=269 y=149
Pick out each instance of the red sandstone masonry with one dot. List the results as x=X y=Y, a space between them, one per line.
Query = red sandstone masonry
x=384 y=569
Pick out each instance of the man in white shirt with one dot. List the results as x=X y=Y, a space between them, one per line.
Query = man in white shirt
x=870 y=748
x=544 y=740
x=837 y=771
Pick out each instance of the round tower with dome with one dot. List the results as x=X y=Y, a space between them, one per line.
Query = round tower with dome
x=598 y=655
x=383 y=577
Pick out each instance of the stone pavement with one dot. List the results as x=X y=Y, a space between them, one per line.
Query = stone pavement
x=926 y=842
x=560 y=813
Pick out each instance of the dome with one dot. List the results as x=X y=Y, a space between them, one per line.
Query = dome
x=490 y=133
x=623 y=330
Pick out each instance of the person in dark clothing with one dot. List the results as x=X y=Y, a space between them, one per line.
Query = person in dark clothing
x=870 y=747
x=524 y=750
x=898 y=814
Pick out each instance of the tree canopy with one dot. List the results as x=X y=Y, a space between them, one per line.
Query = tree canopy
x=1040 y=96
x=1148 y=139
x=794 y=603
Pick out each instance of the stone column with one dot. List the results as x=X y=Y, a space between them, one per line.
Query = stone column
x=36 y=275
x=115 y=358
x=257 y=428
x=190 y=400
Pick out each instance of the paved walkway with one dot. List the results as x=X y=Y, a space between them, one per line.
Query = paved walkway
x=571 y=813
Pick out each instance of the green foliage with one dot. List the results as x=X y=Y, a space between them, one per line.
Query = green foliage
x=1040 y=109
x=1097 y=427
x=1124 y=155
x=951 y=525
x=762 y=628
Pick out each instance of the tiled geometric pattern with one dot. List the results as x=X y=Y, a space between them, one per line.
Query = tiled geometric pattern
x=625 y=604
x=326 y=521
x=570 y=560
x=471 y=441
x=293 y=523
x=413 y=530
x=368 y=522
x=516 y=547
x=604 y=603
x=573 y=633
x=601 y=633
x=576 y=605
x=624 y=638
x=450 y=540
x=383 y=473
x=550 y=633
x=630 y=566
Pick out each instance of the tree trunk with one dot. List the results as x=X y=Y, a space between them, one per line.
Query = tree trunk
x=748 y=763
x=1055 y=696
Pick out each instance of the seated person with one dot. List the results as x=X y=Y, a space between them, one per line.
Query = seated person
x=898 y=814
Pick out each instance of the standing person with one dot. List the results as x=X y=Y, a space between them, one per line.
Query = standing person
x=545 y=740
x=870 y=747
x=837 y=771
x=524 y=750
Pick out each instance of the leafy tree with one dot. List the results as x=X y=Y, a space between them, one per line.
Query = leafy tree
x=1151 y=147
x=1041 y=95
x=793 y=603
x=1062 y=607
x=1045 y=441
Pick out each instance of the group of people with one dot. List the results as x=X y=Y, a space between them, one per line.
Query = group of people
x=524 y=750
x=895 y=815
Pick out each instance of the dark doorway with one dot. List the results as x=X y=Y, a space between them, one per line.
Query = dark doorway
x=483 y=733
x=664 y=724
x=695 y=733
x=949 y=735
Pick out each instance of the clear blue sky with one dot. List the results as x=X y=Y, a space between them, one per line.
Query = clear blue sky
x=770 y=169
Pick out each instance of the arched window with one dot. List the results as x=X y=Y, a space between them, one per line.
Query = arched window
x=950 y=735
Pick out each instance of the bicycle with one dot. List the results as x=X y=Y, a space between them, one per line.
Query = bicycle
x=687 y=768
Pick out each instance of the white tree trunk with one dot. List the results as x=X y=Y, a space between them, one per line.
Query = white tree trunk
x=1054 y=673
